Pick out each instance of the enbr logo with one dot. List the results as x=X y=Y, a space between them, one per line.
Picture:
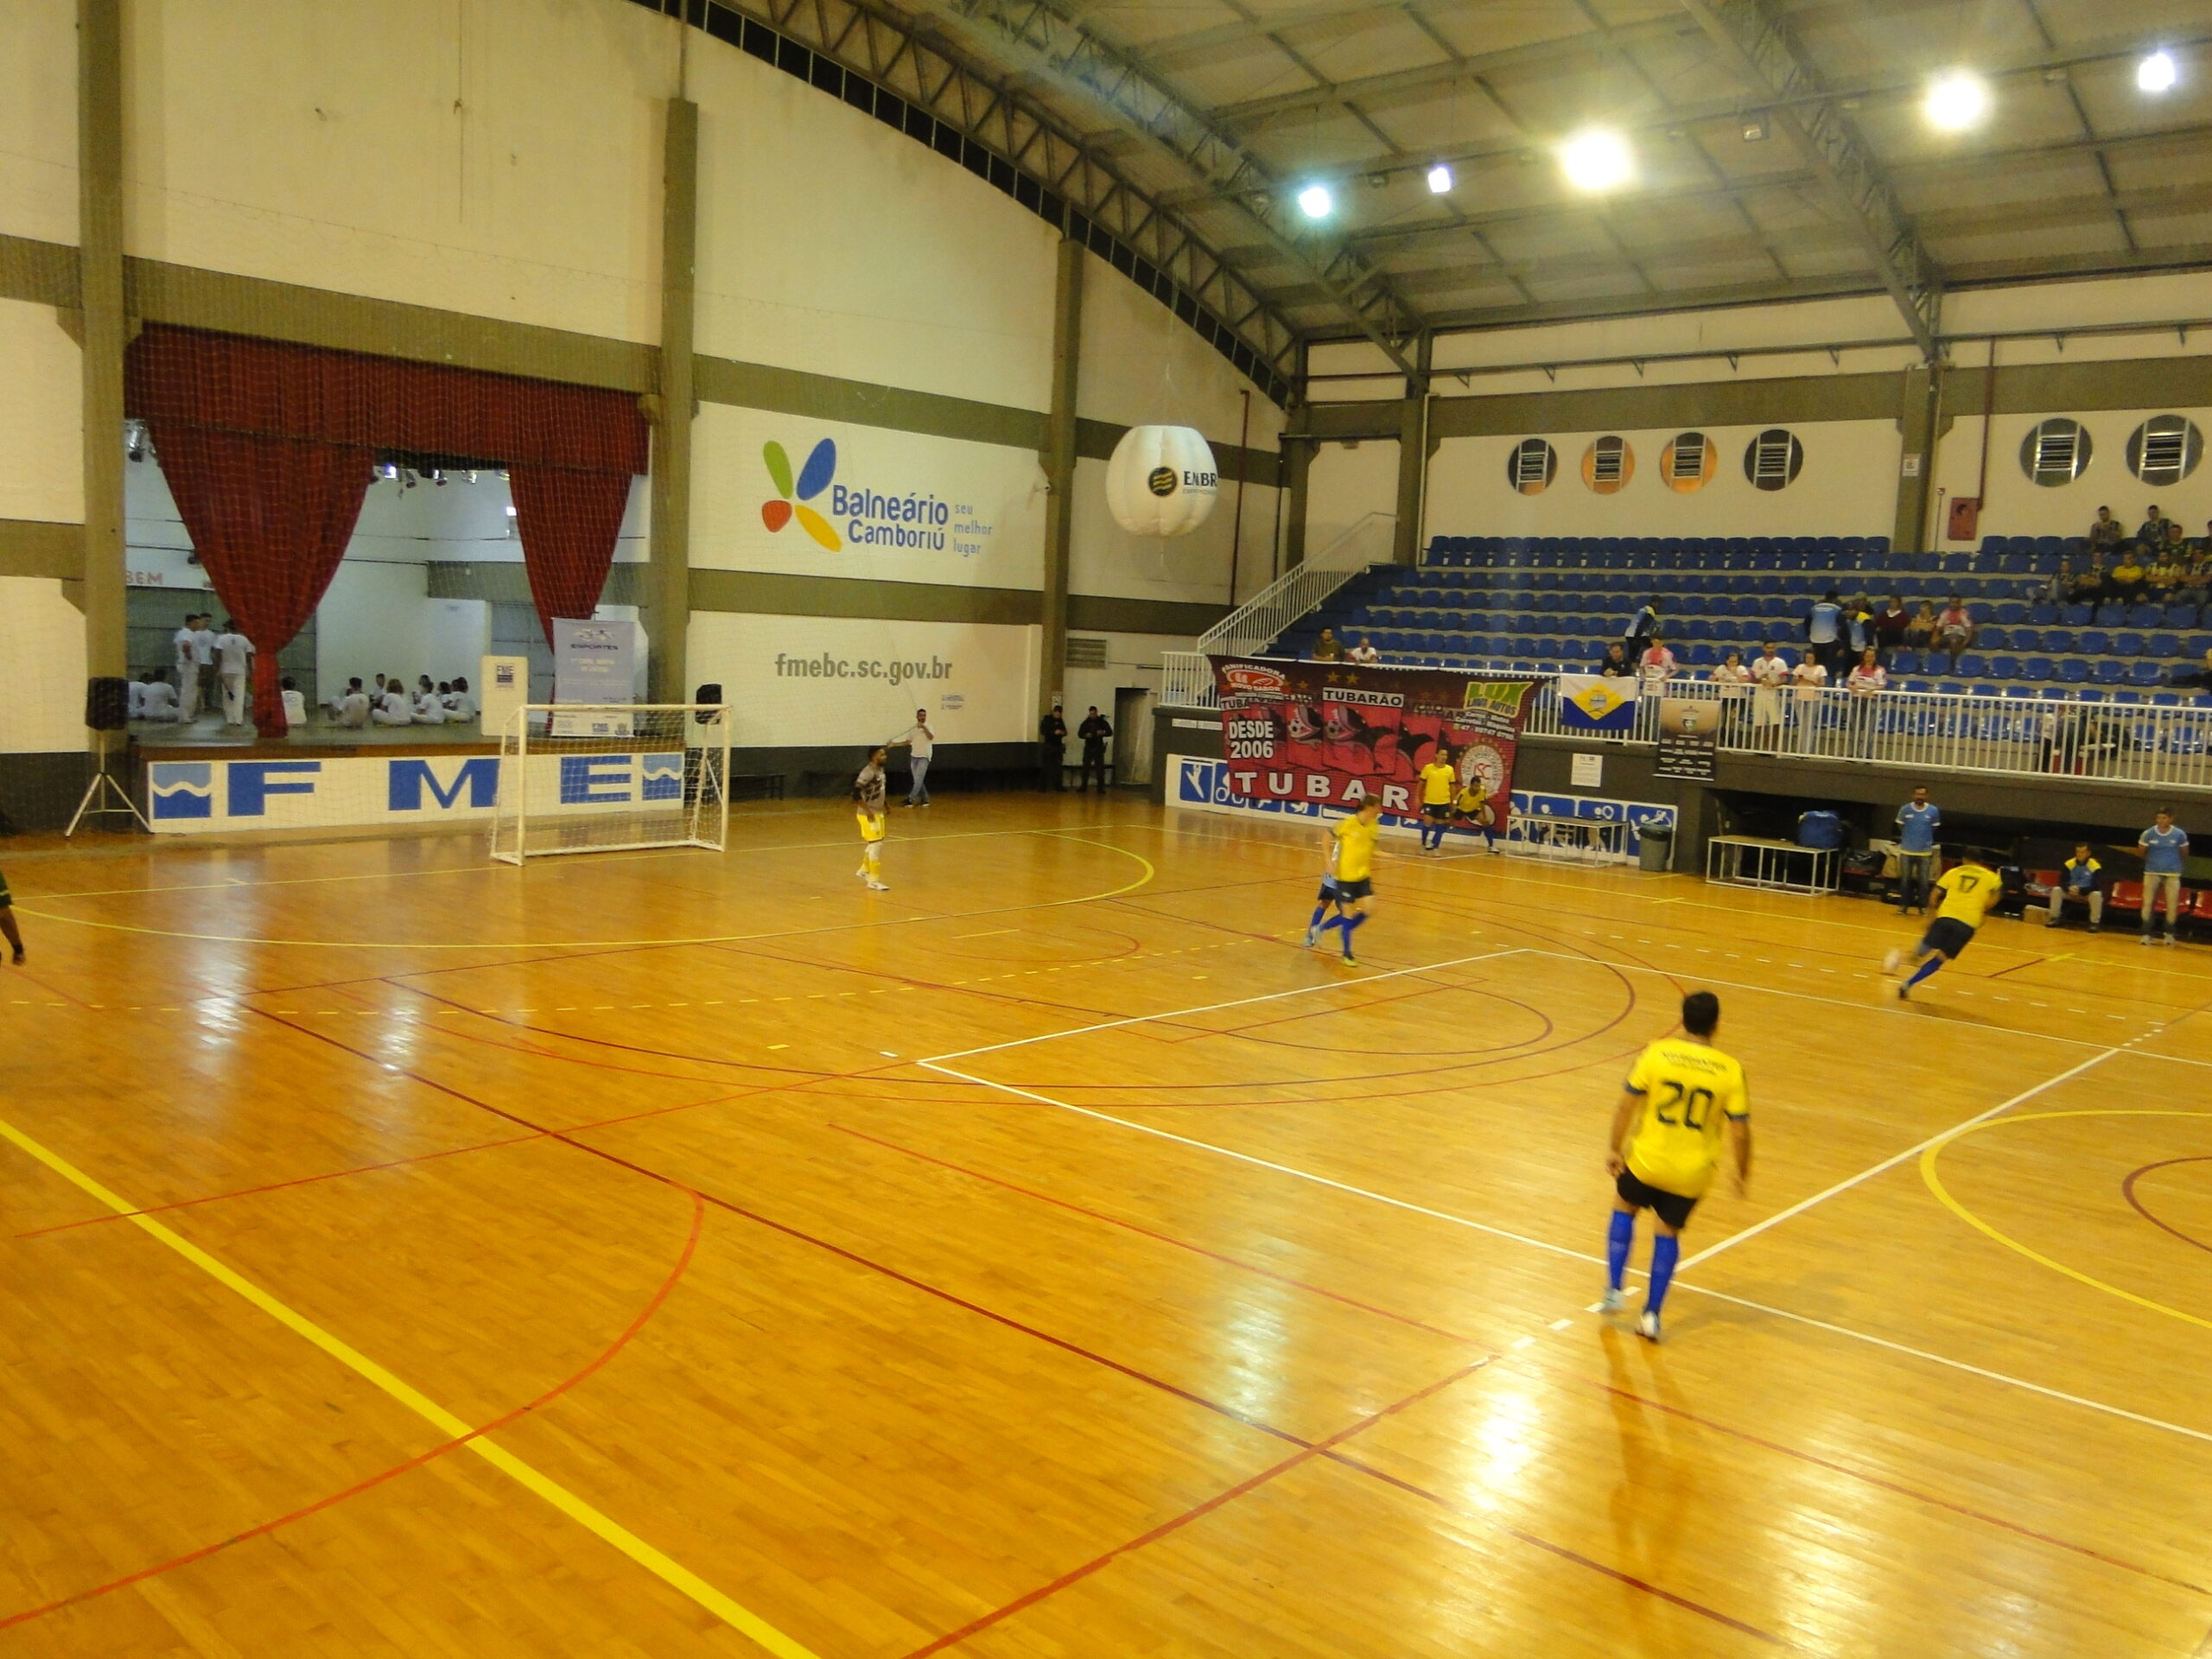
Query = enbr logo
x=1160 y=480
x=791 y=500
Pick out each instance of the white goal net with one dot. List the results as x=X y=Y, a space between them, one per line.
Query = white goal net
x=603 y=778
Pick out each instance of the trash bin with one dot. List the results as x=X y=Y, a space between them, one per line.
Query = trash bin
x=1654 y=845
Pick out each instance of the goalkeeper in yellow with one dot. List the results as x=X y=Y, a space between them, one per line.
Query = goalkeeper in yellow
x=1681 y=1097
x=867 y=807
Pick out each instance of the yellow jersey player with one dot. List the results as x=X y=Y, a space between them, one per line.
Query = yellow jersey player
x=1967 y=891
x=1473 y=808
x=1347 y=880
x=1438 y=780
x=1681 y=1096
x=867 y=808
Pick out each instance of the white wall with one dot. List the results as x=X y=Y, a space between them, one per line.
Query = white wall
x=499 y=157
x=1846 y=487
x=2014 y=505
x=1131 y=659
x=41 y=417
x=38 y=120
x=1345 y=486
x=456 y=632
x=829 y=242
x=44 y=709
x=371 y=622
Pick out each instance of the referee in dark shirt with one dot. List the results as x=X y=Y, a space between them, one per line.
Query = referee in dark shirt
x=1094 y=732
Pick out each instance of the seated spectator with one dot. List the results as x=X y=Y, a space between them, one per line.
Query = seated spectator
x=1361 y=651
x=1655 y=666
x=392 y=707
x=2152 y=530
x=1889 y=625
x=2104 y=531
x=2125 y=579
x=1615 y=664
x=2081 y=880
x=1868 y=675
x=352 y=707
x=2090 y=586
x=428 y=710
x=2160 y=579
x=1920 y=633
x=154 y=698
x=461 y=704
x=1954 y=630
x=2059 y=590
x=2203 y=546
x=295 y=702
x=1327 y=649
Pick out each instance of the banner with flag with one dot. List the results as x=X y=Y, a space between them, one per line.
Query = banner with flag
x=1598 y=703
x=1335 y=734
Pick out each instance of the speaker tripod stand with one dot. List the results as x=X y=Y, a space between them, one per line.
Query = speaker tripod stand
x=104 y=797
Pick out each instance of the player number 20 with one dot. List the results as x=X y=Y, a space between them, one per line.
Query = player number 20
x=1696 y=1106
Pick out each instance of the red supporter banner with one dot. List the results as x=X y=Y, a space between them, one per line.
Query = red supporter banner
x=1334 y=733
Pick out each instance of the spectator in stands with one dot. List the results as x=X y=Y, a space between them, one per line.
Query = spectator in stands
x=1824 y=628
x=2165 y=845
x=2104 y=531
x=2059 y=590
x=1920 y=633
x=2125 y=579
x=1954 y=630
x=350 y=708
x=2163 y=576
x=391 y=708
x=1769 y=672
x=295 y=702
x=2081 y=879
x=1326 y=648
x=1889 y=627
x=1918 y=820
x=2200 y=677
x=1867 y=676
x=2204 y=542
x=2154 y=527
x=1642 y=629
x=154 y=697
x=2196 y=584
x=1615 y=664
x=2177 y=542
x=1655 y=666
x=2089 y=585
x=1810 y=678
x=1361 y=651
x=1858 y=623
x=1735 y=683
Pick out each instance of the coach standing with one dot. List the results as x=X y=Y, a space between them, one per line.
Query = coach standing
x=1052 y=750
x=920 y=744
x=1918 y=820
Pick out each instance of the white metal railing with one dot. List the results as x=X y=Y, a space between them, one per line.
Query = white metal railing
x=2038 y=737
x=1261 y=619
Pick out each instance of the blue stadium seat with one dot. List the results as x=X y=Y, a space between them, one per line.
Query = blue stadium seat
x=2005 y=668
x=2011 y=611
x=1992 y=638
x=2111 y=614
x=2162 y=645
x=1973 y=665
x=2146 y=616
x=2072 y=672
x=2110 y=671
x=2043 y=615
x=2095 y=642
x=2127 y=644
x=2080 y=616
x=2146 y=675
x=2181 y=616
x=1904 y=660
x=2037 y=668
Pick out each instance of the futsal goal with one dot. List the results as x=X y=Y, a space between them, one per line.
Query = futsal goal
x=604 y=777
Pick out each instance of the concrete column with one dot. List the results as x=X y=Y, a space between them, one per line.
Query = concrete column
x=1297 y=463
x=1412 y=461
x=1918 y=415
x=101 y=338
x=1059 y=460
x=668 y=581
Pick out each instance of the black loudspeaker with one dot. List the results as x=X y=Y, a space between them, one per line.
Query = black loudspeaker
x=107 y=702
x=710 y=692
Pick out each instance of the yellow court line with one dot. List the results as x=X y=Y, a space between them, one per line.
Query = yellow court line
x=1936 y=1186
x=1147 y=878
x=663 y=1567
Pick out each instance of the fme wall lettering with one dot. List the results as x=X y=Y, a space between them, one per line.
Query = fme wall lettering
x=196 y=797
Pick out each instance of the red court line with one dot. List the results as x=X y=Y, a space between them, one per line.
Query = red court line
x=645 y=1316
x=952 y=1638
x=2127 y=1188
x=1562 y=1551
x=1164 y=1239
x=1888 y=1485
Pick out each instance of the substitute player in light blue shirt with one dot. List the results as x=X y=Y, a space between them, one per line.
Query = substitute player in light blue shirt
x=2164 y=845
x=1918 y=819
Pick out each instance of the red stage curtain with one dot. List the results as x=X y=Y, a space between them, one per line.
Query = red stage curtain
x=569 y=521
x=270 y=518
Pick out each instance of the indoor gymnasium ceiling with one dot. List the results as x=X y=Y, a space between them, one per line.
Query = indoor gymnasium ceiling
x=1781 y=149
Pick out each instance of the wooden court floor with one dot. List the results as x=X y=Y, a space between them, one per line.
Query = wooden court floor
x=697 y=1255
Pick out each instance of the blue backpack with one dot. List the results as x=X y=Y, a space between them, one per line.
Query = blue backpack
x=1821 y=830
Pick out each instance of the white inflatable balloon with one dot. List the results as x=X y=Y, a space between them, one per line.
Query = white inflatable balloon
x=1161 y=481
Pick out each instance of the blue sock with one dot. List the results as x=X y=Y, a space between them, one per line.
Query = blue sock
x=1618 y=1237
x=1349 y=923
x=1313 y=925
x=1934 y=961
x=1664 y=1250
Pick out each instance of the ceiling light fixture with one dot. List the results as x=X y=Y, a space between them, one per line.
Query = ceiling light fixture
x=2157 y=74
x=1956 y=101
x=1439 y=180
x=1315 y=201
x=1596 y=159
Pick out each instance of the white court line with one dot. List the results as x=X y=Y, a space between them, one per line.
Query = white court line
x=1922 y=1354
x=1207 y=1008
x=1891 y=1162
x=1888 y=1006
